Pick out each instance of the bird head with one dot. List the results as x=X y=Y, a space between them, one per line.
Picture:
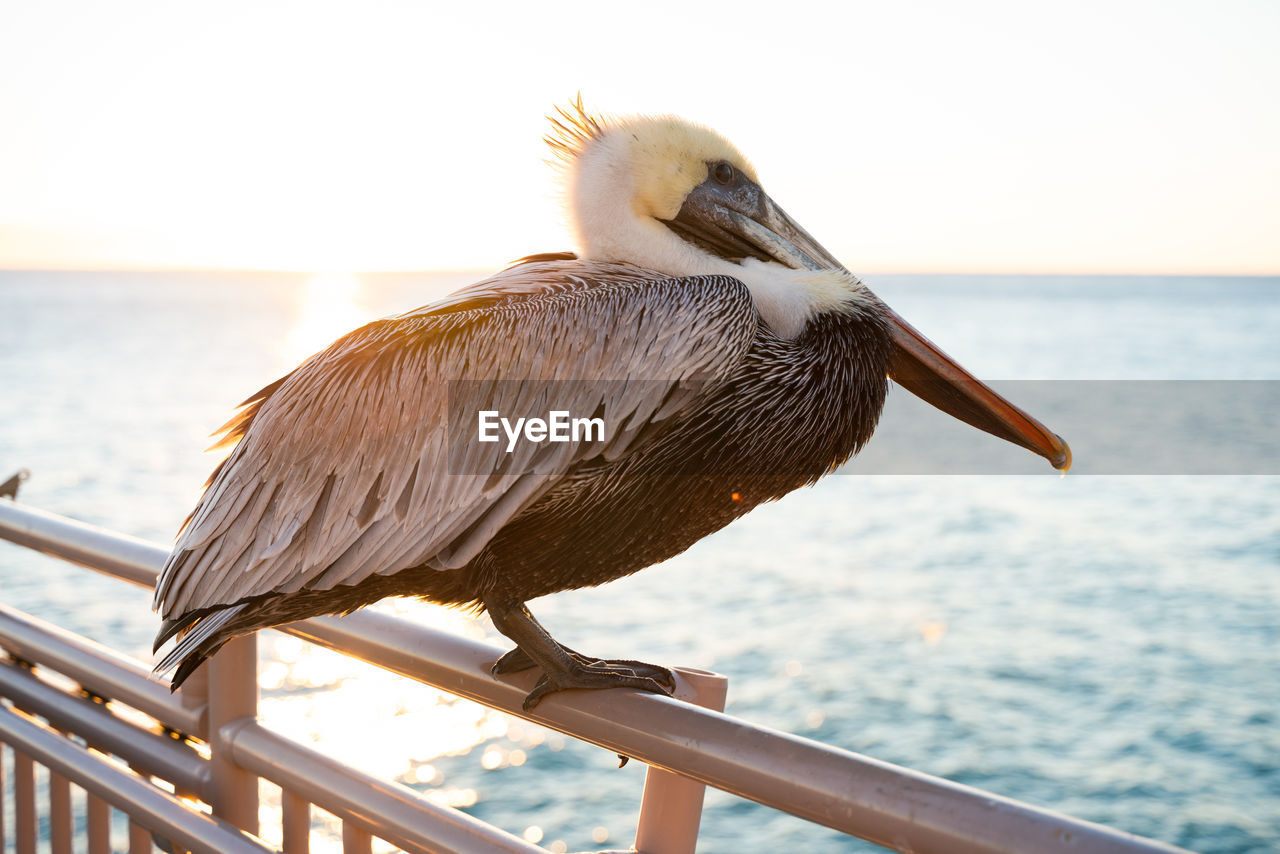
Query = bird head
x=675 y=197
x=669 y=195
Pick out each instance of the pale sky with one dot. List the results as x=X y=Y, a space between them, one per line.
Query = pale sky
x=907 y=137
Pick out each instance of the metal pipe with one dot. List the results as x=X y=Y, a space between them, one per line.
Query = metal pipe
x=98 y=668
x=355 y=839
x=60 y=821
x=893 y=806
x=147 y=804
x=388 y=810
x=194 y=697
x=671 y=807
x=24 y=800
x=4 y=787
x=98 y=819
x=148 y=752
x=233 y=700
x=139 y=839
x=133 y=559
x=886 y=804
x=295 y=823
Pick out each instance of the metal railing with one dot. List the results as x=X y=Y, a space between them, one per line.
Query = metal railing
x=213 y=750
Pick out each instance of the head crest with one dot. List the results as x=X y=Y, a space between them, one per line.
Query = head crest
x=572 y=130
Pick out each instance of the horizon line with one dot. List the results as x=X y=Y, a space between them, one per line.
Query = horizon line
x=481 y=270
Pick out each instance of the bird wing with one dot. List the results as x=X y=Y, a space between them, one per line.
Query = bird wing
x=364 y=460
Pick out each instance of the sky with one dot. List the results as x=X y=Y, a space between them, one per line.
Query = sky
x=1118 y=137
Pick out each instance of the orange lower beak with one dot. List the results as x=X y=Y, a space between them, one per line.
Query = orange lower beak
x=930 y=374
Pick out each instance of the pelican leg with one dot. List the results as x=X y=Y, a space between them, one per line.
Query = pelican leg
x=517 y=660
x=563 y=668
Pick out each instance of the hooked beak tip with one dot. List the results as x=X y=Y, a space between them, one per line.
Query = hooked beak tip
x=1062 y=459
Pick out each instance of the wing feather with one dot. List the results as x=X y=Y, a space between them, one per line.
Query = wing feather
x=353 y=464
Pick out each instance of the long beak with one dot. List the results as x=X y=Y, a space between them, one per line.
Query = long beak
x=918 y=364
x=923 y=369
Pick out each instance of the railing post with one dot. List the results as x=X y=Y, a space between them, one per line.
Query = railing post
x=61 y=823
x=4 y=782
x=194 y=693
x=295 y=823
x=98 y=819
x=233 y=696
x=24 y=803
x=671 y=808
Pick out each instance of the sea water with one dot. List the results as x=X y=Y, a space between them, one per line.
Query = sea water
x=1106 y=645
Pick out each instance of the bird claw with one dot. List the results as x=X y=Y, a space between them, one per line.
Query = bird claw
x=653 y=672
x=562 y=668
x=594 y=677
x=517 y=660
x=512 y=662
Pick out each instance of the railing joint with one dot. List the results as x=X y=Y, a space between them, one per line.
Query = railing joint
x=230 y=731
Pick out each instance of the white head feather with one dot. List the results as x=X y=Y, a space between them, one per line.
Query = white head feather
x=623 y=176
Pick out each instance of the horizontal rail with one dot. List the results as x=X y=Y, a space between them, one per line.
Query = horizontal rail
x=133 y=559
x=98 y=669
x=886 y=804
x=388 y=810
x=146 y=752
x=159 y=811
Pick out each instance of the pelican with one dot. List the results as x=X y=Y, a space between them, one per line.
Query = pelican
x=729 y=358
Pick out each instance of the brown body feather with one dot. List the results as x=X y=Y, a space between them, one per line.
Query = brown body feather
x=727 y=416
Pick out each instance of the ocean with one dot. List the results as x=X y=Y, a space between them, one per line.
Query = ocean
x=1105 y=644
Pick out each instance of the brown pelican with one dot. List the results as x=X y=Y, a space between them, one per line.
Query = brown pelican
x=729 y=357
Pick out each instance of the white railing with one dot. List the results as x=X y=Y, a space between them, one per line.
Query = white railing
x=213 y=749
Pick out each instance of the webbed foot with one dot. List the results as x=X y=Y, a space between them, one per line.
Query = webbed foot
x=562 y=668
x=600 y=674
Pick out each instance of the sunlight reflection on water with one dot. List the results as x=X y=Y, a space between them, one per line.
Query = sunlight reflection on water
x=329 y=305
x=302 y=698
x=327 y=700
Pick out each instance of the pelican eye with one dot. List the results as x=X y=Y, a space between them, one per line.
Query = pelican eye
x=723 y=173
